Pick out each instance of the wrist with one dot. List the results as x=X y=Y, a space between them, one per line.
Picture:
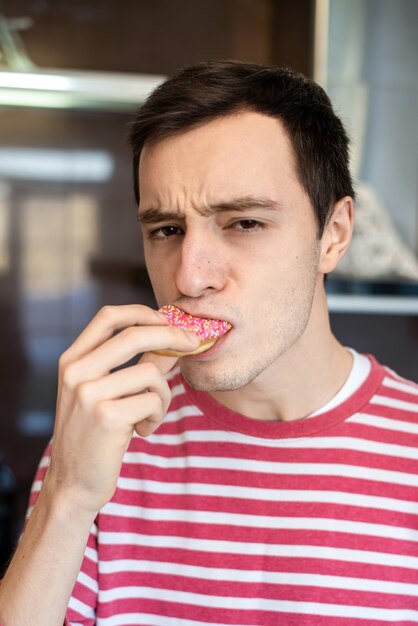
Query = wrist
x=38 y=583
x=67 y=504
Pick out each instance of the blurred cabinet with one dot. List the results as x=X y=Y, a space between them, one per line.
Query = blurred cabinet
x=69 y=240
x=366 y=57
x=66 y=204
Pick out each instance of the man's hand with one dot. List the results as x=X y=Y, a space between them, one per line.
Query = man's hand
x=98 y=411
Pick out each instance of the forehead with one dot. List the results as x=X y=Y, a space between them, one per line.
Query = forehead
x=245 y=152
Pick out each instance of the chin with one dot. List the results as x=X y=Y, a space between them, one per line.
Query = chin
x=213 y=377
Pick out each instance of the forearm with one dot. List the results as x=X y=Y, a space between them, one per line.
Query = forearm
x=98 y=409
x=38 y=584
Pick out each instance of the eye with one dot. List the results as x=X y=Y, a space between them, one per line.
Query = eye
x=164 y=232
x=248 y=225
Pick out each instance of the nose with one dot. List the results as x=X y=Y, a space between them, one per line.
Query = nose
x=201 y=269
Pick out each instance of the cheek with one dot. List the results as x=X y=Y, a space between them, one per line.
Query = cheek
x=159 y=281
x=281 y=293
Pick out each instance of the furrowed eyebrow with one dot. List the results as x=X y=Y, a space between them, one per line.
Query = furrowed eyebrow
x=246 y=203
x=155 y=216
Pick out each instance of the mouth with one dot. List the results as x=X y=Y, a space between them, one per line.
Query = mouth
x=198 y=315
x=208 y=329
x=207 y=349
x=204 y=327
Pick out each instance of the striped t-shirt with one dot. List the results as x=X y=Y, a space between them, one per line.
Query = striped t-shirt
x=222 y=519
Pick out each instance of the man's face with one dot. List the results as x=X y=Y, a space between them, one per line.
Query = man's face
x=230 y=233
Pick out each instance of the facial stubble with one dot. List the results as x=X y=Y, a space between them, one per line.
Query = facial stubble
x=281 y=325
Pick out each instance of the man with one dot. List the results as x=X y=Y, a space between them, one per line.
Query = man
x=272 y=479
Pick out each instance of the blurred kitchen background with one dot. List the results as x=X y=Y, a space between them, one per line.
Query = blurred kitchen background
x=72 y=72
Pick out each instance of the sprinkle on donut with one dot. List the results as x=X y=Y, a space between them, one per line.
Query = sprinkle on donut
x=204 y=328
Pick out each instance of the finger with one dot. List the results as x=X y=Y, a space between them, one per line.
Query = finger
x=107 y=321
x=144 y=412
x=123 y=347
x=163 y=363
x=134 y=380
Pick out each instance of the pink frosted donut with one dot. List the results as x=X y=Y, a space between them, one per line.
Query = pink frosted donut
x=208 y=330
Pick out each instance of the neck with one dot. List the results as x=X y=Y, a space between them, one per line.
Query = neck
x=301 y=380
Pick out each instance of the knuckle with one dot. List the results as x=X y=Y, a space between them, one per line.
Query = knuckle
x=69 y=376
x=106 y=313
x=130 y=333
x=148 y=370
x=83 y=393
x=63 y=361
x=103 y=414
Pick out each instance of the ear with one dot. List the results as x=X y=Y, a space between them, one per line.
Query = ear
x=337 y=235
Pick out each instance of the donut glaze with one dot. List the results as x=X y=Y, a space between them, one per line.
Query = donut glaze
x=208 y=330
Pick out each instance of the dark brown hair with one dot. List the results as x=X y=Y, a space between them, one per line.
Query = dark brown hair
x=201 y=93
